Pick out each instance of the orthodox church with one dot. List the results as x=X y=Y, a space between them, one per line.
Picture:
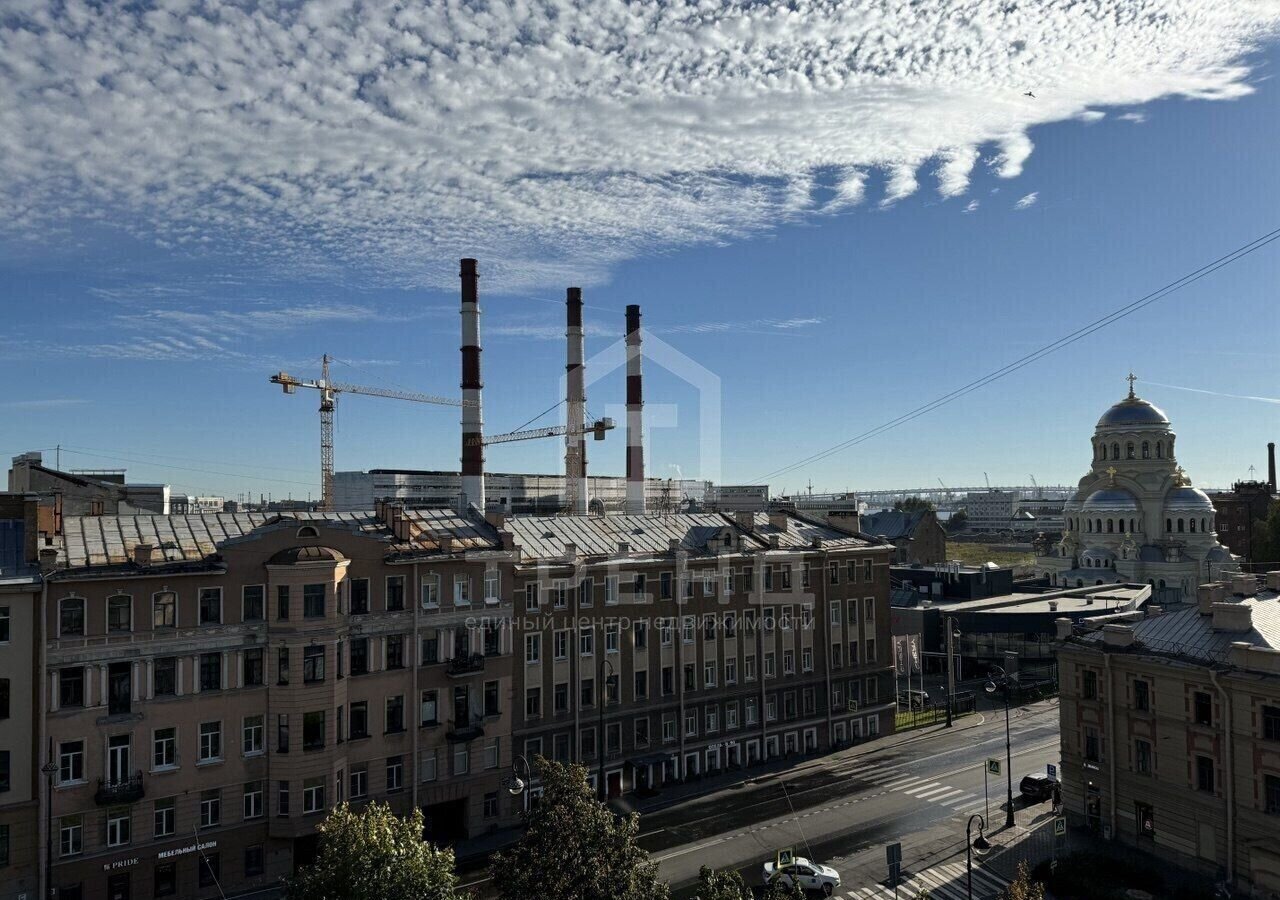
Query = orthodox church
x=1135 y=517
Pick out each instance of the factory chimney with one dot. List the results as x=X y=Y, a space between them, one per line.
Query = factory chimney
x=472 y=413
x=575 y=439
x=635 y=417
x=1271 y=467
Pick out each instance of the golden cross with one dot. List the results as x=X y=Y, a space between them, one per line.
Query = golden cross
x=1131 y=379
x=1111 y=470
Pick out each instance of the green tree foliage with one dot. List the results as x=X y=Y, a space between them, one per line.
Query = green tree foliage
x=959 y=521
x=373 y=855
x=1266 y=538
x=713 y=885
x=574 y=848
x=912 y=504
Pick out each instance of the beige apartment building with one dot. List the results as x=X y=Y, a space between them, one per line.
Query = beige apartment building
x=1171 y=731
x=214 y=683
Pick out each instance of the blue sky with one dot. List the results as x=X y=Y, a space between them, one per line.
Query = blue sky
x=827 y=290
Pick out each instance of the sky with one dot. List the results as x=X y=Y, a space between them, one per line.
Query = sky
x=830 y=213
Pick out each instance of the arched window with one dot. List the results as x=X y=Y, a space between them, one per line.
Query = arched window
x=308 y=531
x=120 y=613
x=1099 y=581
x=1115 y=450
x=164 y=609
x=1128 y=450
x=71 y=616
x=1192 y=527
x=1133 y=526
x=1146 y=449
x=1168 y=526
x=1180 y=524
x=1102 y=451
x=1110 y=526
x=1204 y=525
x=1159 y=449
x=1098 y=525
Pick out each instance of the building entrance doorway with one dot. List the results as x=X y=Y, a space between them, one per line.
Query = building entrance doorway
x=444 y=823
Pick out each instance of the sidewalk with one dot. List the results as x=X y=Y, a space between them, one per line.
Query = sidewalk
x=472 y=853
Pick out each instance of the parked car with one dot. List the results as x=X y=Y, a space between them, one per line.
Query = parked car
x=808 y=875
x=1037 y=787
x=913 y=699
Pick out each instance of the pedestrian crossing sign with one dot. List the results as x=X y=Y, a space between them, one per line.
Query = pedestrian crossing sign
x=785 y=858
x=993 y=767
x=1060 y=826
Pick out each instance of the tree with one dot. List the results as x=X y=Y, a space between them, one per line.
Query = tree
x=914 y=504
x=1022 y=887
x=574 y=848
x=730 y=885
x=959 y=521
x=372 y=855
x=1266 y=538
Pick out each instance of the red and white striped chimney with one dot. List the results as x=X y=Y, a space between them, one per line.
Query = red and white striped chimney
x=635 y=417
x=472 y=413
x=575 y=438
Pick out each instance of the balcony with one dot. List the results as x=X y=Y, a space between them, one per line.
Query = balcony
x=466 y=664
x=465 y=729
x=115 y=793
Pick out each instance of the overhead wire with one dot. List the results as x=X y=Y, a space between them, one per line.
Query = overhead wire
x=1064 y=341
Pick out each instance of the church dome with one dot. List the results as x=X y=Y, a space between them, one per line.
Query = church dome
x=1110 y=499
x=1188 y=499
x=1133 y=411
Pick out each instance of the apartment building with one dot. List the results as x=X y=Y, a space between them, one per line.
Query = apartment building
x=216 y=683
x=676 y=646
x=1171 y=731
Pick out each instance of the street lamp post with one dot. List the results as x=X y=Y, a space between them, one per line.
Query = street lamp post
x=602 y=790
x=48 y=769
x=952 y=634
x=1001 y=681
x=980 y=846
x=517 y=785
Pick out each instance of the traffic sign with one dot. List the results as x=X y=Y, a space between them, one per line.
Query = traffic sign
x=1060 y=826
x=993 y=767
x=893 y=854
x=1053 y=770
x=785 y=858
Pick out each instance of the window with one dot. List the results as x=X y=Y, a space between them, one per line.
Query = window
x=313 y=795
x=1089 y=684
x=532 y=648
x=282 y=601
x=431 y=648
x=430 y=710
x=726 y=581
x=359 y=781
x=461 y=759
x=395 y=714
x=210 y=808
x=461 y=590
x=560 y=698
x=359 y=656
x=490 y=809
x=254 y=863
x=1202 y=705
x=164 y=610
x=252 y=735
x=1271 y=723
x=611 y=635
x=769 y=665
x=690 y=677
x=751 y=710
x=282 y=798
x=709 y=674
x=641 y=685
x=712 y=720
x=1204 y=774
x=491 y=698
x=70 y=835
x=788 y=662
x=586 y=641
x=164 y=748
x=586 y=592
x=531 y=595
x=533 y=702
x=117 y=827
x=70 y=617
x=1142 y=757
x=395 y=592
x=1091 y=745
x=313 y=730
x=210 y=606
x=163 y=818
x=282 y=665
x=833 y=573
x=395 y=774
x=587 y=692
x=5 y=770
x=359 y=596
x=313 y=601
x=71 y=687
x=611 y=589
x=664 y=585
x=686 y=586
x=210 y=741
x=359 y=720
x=492 y=585
x=252 y=667
x=560 y=644
x=253 y=602
x=1271 y=794
x=253 y=792
x=560 y=595
x=210 y=671
x=312 y=664
x=1142 y=695
x=70 y=762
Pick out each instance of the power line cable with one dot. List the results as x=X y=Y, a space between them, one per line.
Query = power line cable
x=147 y=462
x=1064 y=341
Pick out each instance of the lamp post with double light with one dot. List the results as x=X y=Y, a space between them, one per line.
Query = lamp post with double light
x=999 y=680
x=979 y=845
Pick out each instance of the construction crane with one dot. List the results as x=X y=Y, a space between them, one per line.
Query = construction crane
x=987 y=480
x=946 y=490
x=329 y=391
x=596 y=430
x=1034 y=485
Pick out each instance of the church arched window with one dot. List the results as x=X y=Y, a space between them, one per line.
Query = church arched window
x=1146 y=449
x=1098 y=525
x=1128 y=450
x=1110 y=525
x=1159 y=449
x=1192 y=527
x=1115 y=450
x=1133 y=526
x=1102 y=451
x=1168 y=526
x=1180 y=524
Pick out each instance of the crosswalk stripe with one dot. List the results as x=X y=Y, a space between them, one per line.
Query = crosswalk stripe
x=921 y=787
x=896 y=783
x=935 y=794
x=945 y=881
x=948 y=797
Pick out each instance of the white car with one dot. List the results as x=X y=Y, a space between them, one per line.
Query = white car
x=809 y=875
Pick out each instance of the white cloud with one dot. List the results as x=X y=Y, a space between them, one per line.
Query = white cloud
x=1137 y=118
x=971 y=206
x=1027 y=200
x=1091 y=115
x=550 y=140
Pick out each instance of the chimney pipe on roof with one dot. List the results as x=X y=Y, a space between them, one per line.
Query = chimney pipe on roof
x=1271 y=466
x=575 y=438
x=472 y=414
x=635 y=417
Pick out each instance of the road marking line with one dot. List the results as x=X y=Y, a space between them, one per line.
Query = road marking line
x=948 y=797
x=933 y=795
x=901 y=782
x=921 y=787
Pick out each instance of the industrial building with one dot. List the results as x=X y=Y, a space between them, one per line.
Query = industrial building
x=88 y=492
x=1171 y=731
x=917 y=535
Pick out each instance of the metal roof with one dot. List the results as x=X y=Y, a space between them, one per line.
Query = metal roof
x=1187 y=633
x=892 y=523
x=544 y=537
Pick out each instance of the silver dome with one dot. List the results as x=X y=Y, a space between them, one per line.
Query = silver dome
x=1188 y=498
x=1109 y=499
x=1133 y=411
